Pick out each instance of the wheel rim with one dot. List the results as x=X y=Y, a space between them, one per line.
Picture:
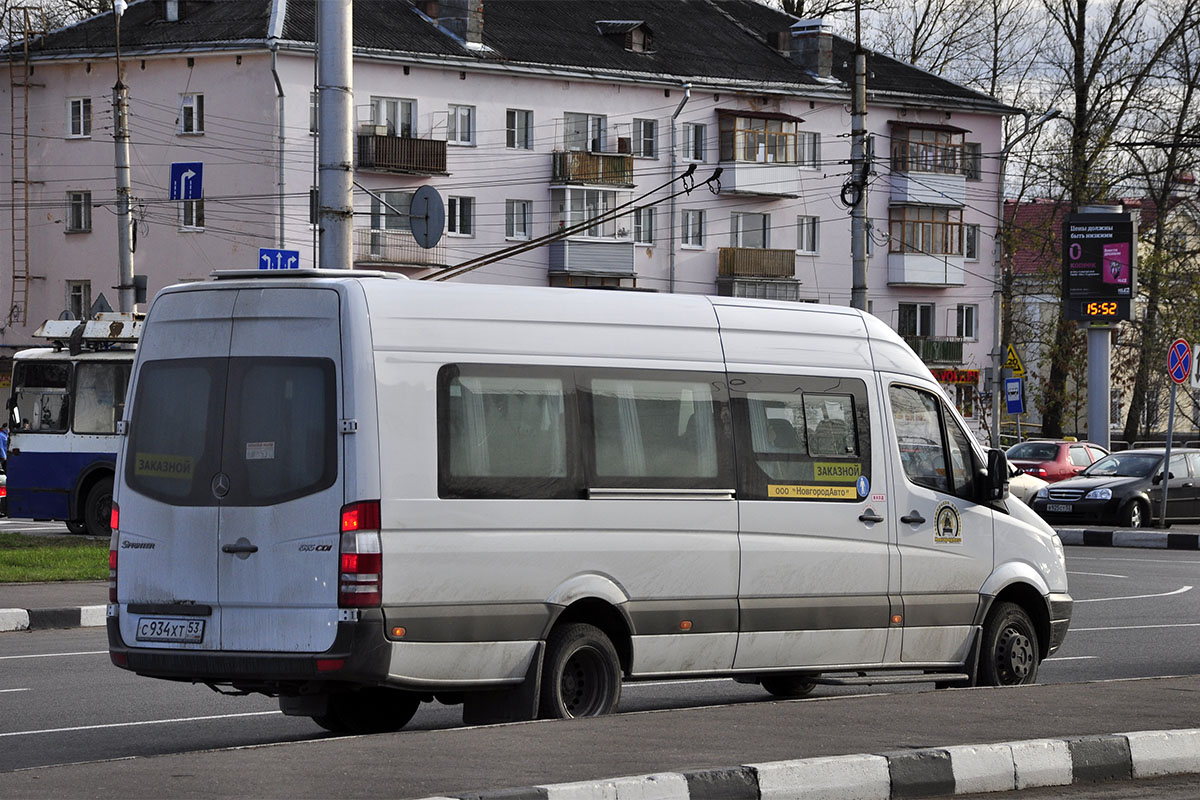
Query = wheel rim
x=101 y=511
x=1015 y=658
x=585 y=686
x=1135 y=516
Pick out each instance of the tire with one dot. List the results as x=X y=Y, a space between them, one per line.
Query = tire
x=788 y=686
x=76 y=526
x=1134 y=515
x=1009 y=653
x=97 y=509
x=581 y=676
x=374 y=710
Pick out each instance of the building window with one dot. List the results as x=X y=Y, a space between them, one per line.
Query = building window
x=925 y=229
x=460 y=127
x=916 y=319
x=964 y=399
x=692 y=233
x=79 y=122
x=809 y=144
x=645 y=138
x=807 y=233
x=643 y=225
x=519 y=129
x=517 y=215
x=584 y=132
x=766 y=141
x=575 y=206
x=79 y=299
x=694 y=136
x=312 y=112
x=191 y=215
x=79 y=212
x=314 y=206
x=967 y=323
x=973 y=161
x=389 y=211
x=750 y=230
x=971 y=242
x=460 y=216
x=927 y=150
x=396 y=114
x=191 y=113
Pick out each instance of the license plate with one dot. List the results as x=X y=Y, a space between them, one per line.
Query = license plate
x=1059 y=508
x=165 y=629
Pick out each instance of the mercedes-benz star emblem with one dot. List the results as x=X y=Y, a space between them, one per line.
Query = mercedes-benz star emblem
x=220 y=484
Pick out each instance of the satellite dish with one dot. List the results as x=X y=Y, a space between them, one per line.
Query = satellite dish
x=427 y=216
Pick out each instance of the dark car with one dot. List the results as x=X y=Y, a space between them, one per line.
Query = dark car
x=1125 y=489
x=1054 y=459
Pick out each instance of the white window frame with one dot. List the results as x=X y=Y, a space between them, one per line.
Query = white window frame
x=808 y=144
x=79 y=117
x=79 y=212
x=518 y=129
x=590 y=138
x=645 y=138
x=574 y=205
x=191 y=215
x=399 y=114
x=923 y=317
x=973 y=161
x=744 y=225
x=970 y=242
x=643 y=225
x=518 y=219
x=967 y=321
x=79 y=298
x=694 y=140
x=458 y=118
x=191 y=114
x=691 y=228
x=808 y=235
x=460 y=216
x=313 y=115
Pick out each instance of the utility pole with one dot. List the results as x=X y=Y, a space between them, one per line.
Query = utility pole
x=335 y=101
x=858 y=169
x=125 y=288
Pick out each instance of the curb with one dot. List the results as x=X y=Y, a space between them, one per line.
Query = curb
x=20 y=619
x=929 y=772
x=1152 y=539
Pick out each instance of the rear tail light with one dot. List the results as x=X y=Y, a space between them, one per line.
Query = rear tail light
x=3 y=491
x=114 y=517
x=1039 y=472
x=112 y=569
x=360 y=558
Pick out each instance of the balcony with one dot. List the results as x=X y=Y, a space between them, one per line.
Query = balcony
x=577 y=256
x=937 y=349
x=603 y=169
x=928 y=189
x=755 y=178
x=756 y=262
x=401 y=154
x=394 y=248
x=917 y=269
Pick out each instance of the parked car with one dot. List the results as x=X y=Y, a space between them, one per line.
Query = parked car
x=1022 y=485
x=1054 y=459
x=1125 y=489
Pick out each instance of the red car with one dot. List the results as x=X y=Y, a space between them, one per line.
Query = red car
x=1054 y=460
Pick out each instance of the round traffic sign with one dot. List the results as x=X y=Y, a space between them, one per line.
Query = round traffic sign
x=1179 y=360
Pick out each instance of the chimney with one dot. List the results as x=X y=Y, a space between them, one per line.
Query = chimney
x=812 y=47
x=462 y=18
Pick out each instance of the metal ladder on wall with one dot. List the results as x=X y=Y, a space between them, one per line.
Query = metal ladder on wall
x=20 y=28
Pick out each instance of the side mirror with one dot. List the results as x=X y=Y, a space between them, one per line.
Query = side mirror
x=993 y=484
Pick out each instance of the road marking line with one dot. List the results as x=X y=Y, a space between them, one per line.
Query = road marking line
x=1098 y=574
x=1180 y=590
x=1139 y=560
x=1139 y=627
x=2 y=691
x=1072 y=658
x=136 y=724
x=52 y=655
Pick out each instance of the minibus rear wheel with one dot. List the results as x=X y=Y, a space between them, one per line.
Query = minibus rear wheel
x=372 y=710
x=582 y=673
x=1009 y=656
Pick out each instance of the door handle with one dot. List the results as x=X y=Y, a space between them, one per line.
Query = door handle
x=869 y=516
x=912 y=518
x=239 y=547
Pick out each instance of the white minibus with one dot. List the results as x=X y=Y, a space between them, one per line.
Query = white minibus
x=357 y=493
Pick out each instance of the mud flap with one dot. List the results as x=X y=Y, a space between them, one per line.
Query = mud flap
x=971 y=667
x=515 y=704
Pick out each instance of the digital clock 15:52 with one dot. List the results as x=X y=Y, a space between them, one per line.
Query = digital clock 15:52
x=1102 y=310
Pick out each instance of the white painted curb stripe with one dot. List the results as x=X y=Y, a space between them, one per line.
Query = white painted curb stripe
x=14 y=619
x=983 y=768
x=93 y=616
x=663 y=786
x=1164 y=752
x=856 y=777
x=1042 y=762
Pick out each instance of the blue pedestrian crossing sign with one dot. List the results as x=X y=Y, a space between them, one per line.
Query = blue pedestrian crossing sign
x=270 y=258
x=187 y=180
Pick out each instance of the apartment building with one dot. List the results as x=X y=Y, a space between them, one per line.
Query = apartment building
x=528 y=120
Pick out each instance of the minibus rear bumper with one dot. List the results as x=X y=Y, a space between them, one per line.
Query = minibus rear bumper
x=359 y=654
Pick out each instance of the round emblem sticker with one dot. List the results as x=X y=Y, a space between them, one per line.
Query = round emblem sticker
x=864 y=486
x=947 y=524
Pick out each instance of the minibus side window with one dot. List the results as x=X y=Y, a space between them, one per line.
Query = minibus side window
x=655 y=430
x=801 y=438
x=504 y=432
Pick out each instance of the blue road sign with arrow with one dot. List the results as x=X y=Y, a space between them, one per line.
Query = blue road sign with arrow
x=270 y=258
x=187 y=180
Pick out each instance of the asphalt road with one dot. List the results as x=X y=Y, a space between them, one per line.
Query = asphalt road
x=61 y=702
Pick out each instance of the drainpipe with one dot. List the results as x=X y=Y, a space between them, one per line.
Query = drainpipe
x=273 y=46
x=687 y=95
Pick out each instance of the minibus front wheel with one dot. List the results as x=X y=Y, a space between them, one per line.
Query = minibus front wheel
x=1009 y=655
x=582 y=674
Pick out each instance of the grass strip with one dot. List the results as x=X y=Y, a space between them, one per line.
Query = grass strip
x=26 y=559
